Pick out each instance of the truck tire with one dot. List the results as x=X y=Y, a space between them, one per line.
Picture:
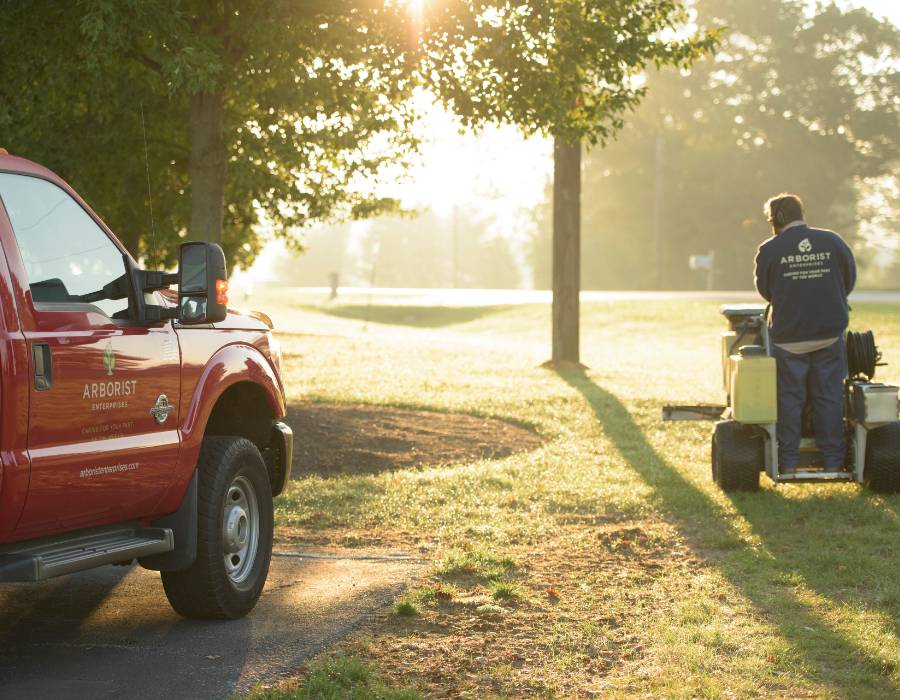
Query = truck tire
x=882 y=472
x=737 y=456
x=235 y=523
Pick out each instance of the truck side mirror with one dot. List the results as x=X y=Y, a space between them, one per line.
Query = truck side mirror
x=202 y=284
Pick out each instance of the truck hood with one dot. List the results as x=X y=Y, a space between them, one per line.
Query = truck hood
x=246 y=320
x=237 y=319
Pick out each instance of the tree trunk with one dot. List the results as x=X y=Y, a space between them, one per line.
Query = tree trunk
x=207 y=167
x=566 y=250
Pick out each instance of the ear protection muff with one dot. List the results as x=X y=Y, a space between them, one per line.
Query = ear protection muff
x=777 y=214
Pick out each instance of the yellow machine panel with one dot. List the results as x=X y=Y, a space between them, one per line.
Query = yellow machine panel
x=753 y=389
x=727 y=342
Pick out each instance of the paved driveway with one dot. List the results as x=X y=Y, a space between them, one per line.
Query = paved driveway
x=111 y=633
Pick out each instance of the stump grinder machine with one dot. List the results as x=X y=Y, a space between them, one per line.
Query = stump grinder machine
x=743 y=441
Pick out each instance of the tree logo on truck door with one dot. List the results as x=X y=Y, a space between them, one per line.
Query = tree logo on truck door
x=109 y=359
x=161 y=409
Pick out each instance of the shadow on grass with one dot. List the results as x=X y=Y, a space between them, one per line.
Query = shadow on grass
x=405 y=315
x=763 y=577
x=845 y=549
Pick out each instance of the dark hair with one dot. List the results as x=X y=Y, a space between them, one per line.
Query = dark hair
x=783 y=209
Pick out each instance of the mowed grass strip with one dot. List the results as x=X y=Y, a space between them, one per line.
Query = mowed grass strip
x=664 y=585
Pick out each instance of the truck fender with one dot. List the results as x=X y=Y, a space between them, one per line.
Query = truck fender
x=230 y=365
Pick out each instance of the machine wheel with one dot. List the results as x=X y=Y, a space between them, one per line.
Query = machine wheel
x=234 y=534
x=882 y=472
x=737 y=453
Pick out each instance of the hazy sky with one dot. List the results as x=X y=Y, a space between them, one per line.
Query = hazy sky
x=883 y=8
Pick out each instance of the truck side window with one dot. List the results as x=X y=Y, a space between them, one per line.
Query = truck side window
x=66 y=254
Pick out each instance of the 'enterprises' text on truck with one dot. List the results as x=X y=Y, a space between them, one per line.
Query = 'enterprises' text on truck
x=136 y=423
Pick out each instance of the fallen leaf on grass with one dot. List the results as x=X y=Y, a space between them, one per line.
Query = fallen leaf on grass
x=442 y=594
x=552 y=593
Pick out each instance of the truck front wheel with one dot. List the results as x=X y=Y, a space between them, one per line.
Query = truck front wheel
x=234 y=534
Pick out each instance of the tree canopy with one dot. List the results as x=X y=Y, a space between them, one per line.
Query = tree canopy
x=566 y=68
x=311 y=101
x=278 y=114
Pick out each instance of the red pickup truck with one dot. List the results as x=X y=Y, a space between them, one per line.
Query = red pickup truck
x=136 y=422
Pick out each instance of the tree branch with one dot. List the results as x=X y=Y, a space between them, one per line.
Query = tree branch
x=338 y=7
x=148 y=62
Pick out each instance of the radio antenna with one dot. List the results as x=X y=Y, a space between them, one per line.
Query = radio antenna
x=149 y=192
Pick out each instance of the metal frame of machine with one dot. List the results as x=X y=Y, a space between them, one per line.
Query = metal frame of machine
x=750 y=413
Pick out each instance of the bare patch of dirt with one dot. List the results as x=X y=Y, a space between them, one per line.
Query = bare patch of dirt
x=334 y=439
x=577 y=623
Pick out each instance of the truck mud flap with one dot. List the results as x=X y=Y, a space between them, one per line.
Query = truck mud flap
x=183 y=524
x=279 y=456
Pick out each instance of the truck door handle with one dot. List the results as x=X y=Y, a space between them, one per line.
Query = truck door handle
x=43 y=367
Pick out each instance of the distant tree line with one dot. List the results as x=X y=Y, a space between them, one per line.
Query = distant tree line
x=790 y=101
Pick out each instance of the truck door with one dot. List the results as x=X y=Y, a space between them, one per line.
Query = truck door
x=98 y=454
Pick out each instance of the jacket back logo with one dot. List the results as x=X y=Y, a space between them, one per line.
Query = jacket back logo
x=805 y=246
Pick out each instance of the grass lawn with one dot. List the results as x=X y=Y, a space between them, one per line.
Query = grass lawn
x=605 y=562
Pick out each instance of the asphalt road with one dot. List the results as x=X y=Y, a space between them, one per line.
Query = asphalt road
x=111 y=633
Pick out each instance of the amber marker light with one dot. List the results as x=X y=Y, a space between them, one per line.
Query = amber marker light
x=222 y=292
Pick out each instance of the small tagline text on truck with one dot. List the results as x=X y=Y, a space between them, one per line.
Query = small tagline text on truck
x=140 y=418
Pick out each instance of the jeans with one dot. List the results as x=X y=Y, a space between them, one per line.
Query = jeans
x=820 y=376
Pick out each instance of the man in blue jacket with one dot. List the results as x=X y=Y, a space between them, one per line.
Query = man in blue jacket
x=806 y=275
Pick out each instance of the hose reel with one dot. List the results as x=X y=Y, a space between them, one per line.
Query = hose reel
x=863 y=356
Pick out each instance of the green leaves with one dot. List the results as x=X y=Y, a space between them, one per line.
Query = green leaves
x=562 y=67
x=315 y=99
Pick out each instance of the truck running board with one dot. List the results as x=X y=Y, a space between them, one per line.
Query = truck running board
x=45 y=559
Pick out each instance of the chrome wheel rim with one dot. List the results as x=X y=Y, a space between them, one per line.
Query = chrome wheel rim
x=240 y=529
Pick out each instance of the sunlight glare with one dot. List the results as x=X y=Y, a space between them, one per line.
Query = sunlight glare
x=416 y=8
